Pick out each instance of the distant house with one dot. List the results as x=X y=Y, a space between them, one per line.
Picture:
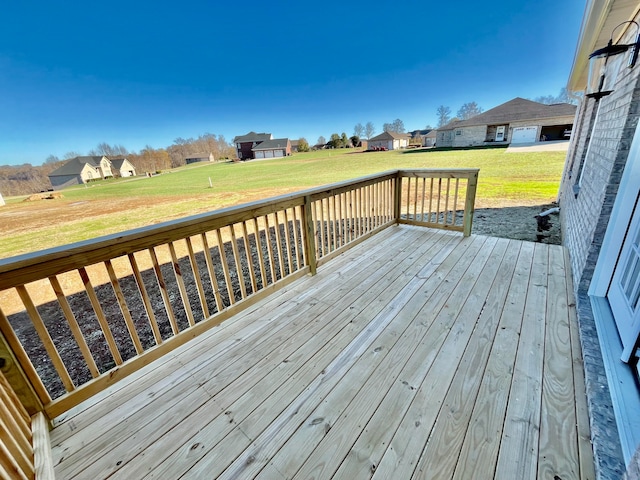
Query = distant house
x=278 y=147
x=245 y=144
x=81 y=170
x=294 y=145
x=429 y=140
x=389 y=140
x=516 y=121
x=121 y=167
x=199 y=157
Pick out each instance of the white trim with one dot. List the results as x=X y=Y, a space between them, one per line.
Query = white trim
x=619 y=220
x=625 y=396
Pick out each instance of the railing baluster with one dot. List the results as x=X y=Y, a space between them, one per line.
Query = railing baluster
x=309 y=225
x=126 y=314
x=73 y=325
x=272 y=263
x=19 y=421
x=424 y=192
x=163 y=291
x=279 y=244
x=198 y=279
x=102 y=320
x=430 y=200
x=46 y=339
x=323 y=245
x=256 y=234
x=455 y=202
x=15 y=438
x=225 y=268
x=415 y=203
x=250 y=265
x=439 y=199
x=212 y=272
x=145 y=299
x=238 y=261
x=181 y=286
x=296 y=238
x=446 y=201
x=287 y=240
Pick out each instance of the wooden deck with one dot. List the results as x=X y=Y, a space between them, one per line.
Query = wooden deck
x=416 y=354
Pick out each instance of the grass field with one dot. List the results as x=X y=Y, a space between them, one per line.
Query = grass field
x=100 y=208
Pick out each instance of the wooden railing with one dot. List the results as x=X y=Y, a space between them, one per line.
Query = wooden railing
x=77 y=318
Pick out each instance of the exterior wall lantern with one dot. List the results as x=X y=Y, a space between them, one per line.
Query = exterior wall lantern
x=599 y=59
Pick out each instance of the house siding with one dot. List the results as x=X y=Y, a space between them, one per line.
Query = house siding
x=469 y=136
x=599 y=150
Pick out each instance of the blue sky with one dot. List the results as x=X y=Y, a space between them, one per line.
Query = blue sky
x=74 y=74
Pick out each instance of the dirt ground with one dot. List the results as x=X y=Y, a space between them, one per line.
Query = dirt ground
x=518 y=223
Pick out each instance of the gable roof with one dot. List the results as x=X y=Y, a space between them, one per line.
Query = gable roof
x=76 y=164
x=516 y=110
x=117 y=162
x=252 y=137
x=389 y=136
x=272 y=144
x=198 y=155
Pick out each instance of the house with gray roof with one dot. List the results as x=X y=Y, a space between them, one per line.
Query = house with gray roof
x=277 y=147
x=122 y=167
x=81 y=170
x=389 y=140
x=245 y=144
x=516 y=121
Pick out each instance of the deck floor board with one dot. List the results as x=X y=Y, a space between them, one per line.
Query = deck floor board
x=416 y=354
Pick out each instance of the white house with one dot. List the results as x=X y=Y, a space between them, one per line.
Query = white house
x=389 y=140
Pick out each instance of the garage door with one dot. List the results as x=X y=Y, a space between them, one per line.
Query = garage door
x=278 y=153
x=268 y=154
x=259 y=154
x=524 y=134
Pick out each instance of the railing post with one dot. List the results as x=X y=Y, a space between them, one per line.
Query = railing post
x=310 y=237
x=18 y=379
x=469 y=204
x=397 y=196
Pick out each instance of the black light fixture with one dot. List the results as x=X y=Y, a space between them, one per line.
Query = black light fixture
x=598 y=61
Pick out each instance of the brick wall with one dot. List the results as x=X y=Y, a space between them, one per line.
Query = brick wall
x=601 y=140
x=469 y=136
x=595 y=163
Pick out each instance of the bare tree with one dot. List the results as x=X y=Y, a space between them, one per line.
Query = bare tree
x=321 y=140
x=563 y=97
x=444 y=115
x=469 y=110
x=369 y=130
x=358 y=130
x=396 y=126
x=71 y=154
x=109 y=150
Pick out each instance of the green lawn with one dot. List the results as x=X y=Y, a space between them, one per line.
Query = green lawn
x=506 y=179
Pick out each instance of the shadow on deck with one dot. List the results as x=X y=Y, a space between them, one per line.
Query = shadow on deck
x=416 y=354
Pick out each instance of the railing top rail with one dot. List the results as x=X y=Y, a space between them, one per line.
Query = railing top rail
x=440 y=172
x=28 y=267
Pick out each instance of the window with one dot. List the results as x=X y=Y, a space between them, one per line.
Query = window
x=458 y=132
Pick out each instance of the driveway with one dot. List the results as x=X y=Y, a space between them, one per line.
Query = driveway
x=555 y=146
